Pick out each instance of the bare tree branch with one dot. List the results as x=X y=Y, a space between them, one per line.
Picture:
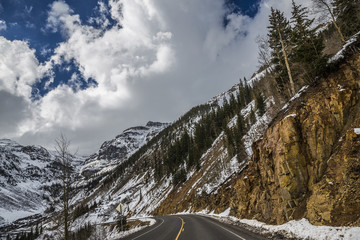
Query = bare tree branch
x=65 y=159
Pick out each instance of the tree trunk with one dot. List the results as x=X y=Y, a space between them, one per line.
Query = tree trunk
x=334 y=22
x=292 y=85
x=282 y=79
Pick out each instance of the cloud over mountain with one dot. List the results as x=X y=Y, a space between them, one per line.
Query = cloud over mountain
x=135 y=61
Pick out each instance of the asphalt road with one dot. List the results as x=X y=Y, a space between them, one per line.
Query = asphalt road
x=192 y=227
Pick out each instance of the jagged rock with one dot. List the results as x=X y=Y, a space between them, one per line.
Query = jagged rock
x=307 y=163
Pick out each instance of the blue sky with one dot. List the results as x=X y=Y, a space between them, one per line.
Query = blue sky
x=26 y=20
x=91 y=69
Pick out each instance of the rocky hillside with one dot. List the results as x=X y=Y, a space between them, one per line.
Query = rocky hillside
x=307 y=163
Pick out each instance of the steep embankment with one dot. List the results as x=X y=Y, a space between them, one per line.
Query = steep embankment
x=308 y=162
x=210 y=186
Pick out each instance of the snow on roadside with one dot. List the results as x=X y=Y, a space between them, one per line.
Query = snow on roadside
x=115 y=234
x=302 y=229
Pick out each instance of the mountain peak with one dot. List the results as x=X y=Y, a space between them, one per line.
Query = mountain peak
x=6 y=141
x=119 y=149
x=155 y=124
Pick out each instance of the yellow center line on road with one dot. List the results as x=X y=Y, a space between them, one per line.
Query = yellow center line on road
x=181 y=229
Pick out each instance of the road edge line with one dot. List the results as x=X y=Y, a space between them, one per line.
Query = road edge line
x=149 y=230
x=228 y=230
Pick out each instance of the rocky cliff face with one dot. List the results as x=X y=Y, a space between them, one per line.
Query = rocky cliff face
x=308 y=162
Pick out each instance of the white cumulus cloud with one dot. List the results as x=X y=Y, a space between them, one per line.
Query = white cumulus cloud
x=159 y=59
x=19 y=68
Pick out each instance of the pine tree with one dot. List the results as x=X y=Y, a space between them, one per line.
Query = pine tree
x=230 y=141
x=308 y=46
x=241 y=94
x=247 y=92
x=158 y=168
x=191 y=159
x=31 y=234
x=197 y=156
x=252 y=116
x=200 y=137
x=241 y=152
x=279 y=41
x=347 y=14
x=185 y=144
x=37 y=230
x=260 y=104
x=325 y=6
x=241 y=125
x=233 y=104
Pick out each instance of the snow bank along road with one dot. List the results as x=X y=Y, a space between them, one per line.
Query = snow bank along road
x=192 y=227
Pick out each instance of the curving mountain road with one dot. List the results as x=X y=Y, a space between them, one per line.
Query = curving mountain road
x=192 y=227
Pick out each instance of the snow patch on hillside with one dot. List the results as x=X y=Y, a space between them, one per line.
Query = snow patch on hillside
x=259 y=127
x=290 y=115
x=227 y=170
x=340 y=55
x=297 y=95
x=258 y=76
x=357 y=131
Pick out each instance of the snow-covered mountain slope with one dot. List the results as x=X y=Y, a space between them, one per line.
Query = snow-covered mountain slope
x=29 y=180
x=137 y=186
x=119 y=149
x=30 y=176
x=125 y=169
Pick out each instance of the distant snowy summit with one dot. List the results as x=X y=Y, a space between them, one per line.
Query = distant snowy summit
x=119 y=149
x=29 y=179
